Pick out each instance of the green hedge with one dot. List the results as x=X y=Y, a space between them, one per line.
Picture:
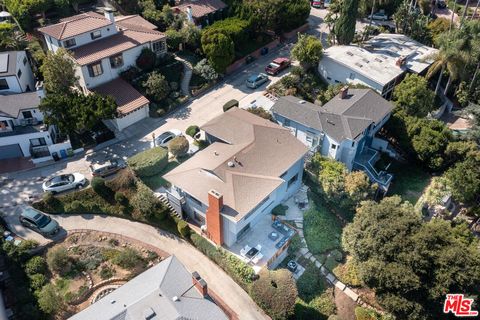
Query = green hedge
x=280 y=210
x=150 y=162
x=238 y=270
x=230 y=104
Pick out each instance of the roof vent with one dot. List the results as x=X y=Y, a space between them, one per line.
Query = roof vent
x=215 y=153
x=112 y=301
x=302 y=101
x=231 y=164
x=175 y=299
x=330 y=122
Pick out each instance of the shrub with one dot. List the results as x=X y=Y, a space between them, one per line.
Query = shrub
x=58 y=260
x=295 y=244
x=37 y=281
x=130 y=74
x=149 y=162
x=262 y=113
x=280 y=210
x=178 y=146
x=156 y=86
x=174 y=39
x=146 y=59
x=325 y=303
x=230 y=104
x=192 y=130
x=75 y=206
x=106 y=273
x=125 y=179
x=365 y=314
x=276 y=293
x=348 y=273
x=144 y=201
x=205 y=70
x=49 y=203
x=35 y=265
x=183 y=228
x=121 y=198
x=100 y=188
x=127 y=258
x=50 y=300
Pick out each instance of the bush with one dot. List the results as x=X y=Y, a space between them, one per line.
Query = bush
x=192 y=130
x=205 y=70
x=146 y=59
x=276 y=293
x=127 y=258
x=121 y=198
x=50 y=202
x=230 y=104
x=262 y=113
x=183 y=228
x=280 y=210
x=125 y=179
x=106 y=273
x=130 y=74
x=348 y=273
x=50 y=300
x=58 y=260
x=35 y=265
x=365 y=314
x=37 y=281
x=156 y=86
x=149 y=162
x=178 y=146
x=75 y=206
x=174 y=39
x=100 y=188
x=144 y=201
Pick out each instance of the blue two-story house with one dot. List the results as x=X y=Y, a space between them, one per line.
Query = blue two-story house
x=343 y=129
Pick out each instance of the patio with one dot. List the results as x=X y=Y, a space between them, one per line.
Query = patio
x=266 y=237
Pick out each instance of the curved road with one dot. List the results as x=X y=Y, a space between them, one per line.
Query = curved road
x=233 y=295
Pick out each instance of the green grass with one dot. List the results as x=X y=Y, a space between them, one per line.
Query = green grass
x=311 y=283
x=409 y=181
x=157 y=181
x=322 y=228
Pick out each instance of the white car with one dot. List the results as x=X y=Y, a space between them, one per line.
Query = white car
x=380 y=15
x=64 y=182
x=163 y=139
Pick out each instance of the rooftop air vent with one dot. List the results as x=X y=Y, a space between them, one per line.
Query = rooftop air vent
x=112 y=301
x=302 y=101
x=175 y=299
x=231 y=164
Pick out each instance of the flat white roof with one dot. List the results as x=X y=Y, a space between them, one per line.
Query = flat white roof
x=418 y=56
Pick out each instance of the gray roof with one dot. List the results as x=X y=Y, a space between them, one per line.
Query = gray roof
x=12 y=104
x=339 y=118
x=8 y=63
x=150 y=296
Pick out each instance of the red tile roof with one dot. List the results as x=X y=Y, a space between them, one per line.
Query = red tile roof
x=127 y=97
x=75 y=25
x=200 y=8
x=133 y=22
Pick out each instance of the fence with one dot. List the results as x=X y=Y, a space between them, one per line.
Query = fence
x=256 y=54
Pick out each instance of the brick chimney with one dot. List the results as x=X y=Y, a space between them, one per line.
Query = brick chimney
x=214 y=217
x=200 y=284
x=344 y=92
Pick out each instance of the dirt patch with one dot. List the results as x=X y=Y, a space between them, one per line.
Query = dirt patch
x=345 y=305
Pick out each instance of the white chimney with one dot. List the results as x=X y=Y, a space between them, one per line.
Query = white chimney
x=189 y=14
x=108 y=12
x=39 y=89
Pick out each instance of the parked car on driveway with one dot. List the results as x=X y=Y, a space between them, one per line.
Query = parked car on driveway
x=277 y=65
x=380 y=15
x=38 y=221
x=64 y=182
x=163 y=139
x=256 y=80
x=107 y=168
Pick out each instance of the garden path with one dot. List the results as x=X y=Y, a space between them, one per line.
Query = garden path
x=187 y=76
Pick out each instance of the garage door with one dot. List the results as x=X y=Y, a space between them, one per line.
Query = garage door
x=10 y=151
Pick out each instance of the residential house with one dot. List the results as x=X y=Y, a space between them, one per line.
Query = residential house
x=166 y=291
x=16 y=75
x=102 y=47
x=343 y=129
x=23 y=133
x=250 y=166
x=380 y=63
x=200 y=12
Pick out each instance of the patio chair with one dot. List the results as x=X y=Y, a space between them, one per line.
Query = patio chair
x=243 y=252
x=257 y=258
x=258 y=247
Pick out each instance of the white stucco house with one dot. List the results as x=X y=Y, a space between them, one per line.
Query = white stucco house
x=250 y=166
x=380 y=63
x=102 y=47
x=343 y=129
x=23 y=133
x=16 y=74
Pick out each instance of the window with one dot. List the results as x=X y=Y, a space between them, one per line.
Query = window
x=336 y=81
x=95 y=69
x=95 y=34
x=25 y=60
x=352 y=76
x=292 y=180
x=50 y=39
x=38 y=142
x=27 y=114
x=116 y=61
x=158 y=46
x=328 y=78
x=197 y=202
x=69 y=43
x=353 y=143
x=286 y=122
x=19 y=73
x=4 y=84
x=334 y=146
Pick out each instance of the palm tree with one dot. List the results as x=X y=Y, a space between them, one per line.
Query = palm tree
x=464 y=13
x=475 y=11
x=453 y=14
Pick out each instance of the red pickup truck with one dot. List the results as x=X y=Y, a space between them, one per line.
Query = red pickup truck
x=277 y=65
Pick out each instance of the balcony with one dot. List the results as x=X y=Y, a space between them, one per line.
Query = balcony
x=365 y=161
x=24 y=127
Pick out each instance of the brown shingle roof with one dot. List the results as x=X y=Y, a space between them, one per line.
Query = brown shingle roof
x=200 y=8
x=115 y=44
x=75 y=25
x=264 y=151
x=127 y=97
x=133 y=22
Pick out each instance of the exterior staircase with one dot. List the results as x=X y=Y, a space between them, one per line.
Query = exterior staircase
x=187 y=76
x=163 y=198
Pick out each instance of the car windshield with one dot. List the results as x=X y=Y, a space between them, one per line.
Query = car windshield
x=62 y=178
x=164 y=135
x=273 y=65
x=42 y=220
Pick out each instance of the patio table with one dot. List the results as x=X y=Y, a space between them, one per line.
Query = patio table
x=252 y=253
x=273 y=236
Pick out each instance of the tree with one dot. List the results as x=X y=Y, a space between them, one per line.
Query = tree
x=74 y=111
x=219 y=50
x=414 y=96
x=411 y=22
x=35 y=265
x=262 y=113
x=275 y=292
x=144 y=202
x=205 y=70
x=50 y=300
x=464 y=179
x=409 y=263
x=146 y=59
x=192 y=130
x=292 y=14
x=437 y=28
x=9 y=39
x=263 y=14
x=345 y=25
x=174 y=39
x=156 y=86
x=191 y=35
x=307 y=50
x=58 y=260
x=178 y=146
x=358 y=187
x=58 y=71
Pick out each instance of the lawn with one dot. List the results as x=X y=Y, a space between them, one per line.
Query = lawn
x=409 y=181
x=157 y=181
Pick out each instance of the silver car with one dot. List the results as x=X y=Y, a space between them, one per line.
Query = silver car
x=256 y=80
x=38 y=221
x=64 y=182
x=164 y=139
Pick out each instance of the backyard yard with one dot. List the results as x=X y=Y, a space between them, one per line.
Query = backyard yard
x=409 y=181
